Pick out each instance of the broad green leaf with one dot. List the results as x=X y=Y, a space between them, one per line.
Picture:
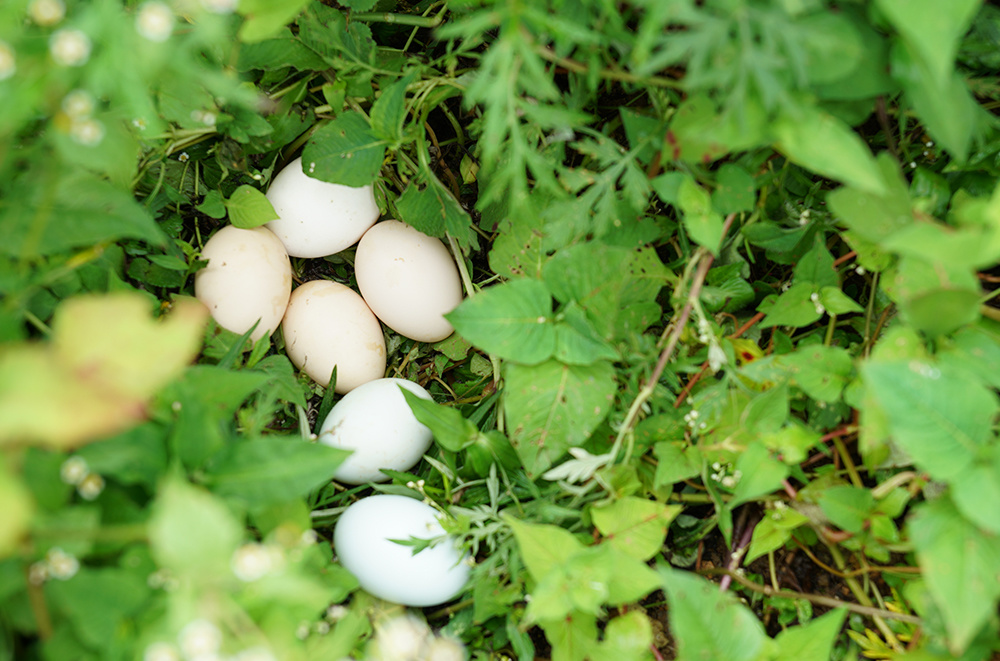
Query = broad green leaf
x=816 y=266
x=326 y=31
x=430 y=208
x=543 y=547
x=282 y=380
x=725 y=289
x=106 y=359
x=573 y=637
x=18 y=509
x=945 y=105
x=871 y=215
x=99 y=602
x=579 y=584
x=577 y=342
x=265 y=19
x=977 y=493
x=824 y=144
x=935 y=413
x=137 y=456
x=389 y=110
x=774 y=530
x=451 y=430
x=280 y=51
x=735 y=189
x=941 y=311
x=813 y=640
x=975 y=349
x=820 y=371
x=759 y=472
x=591 y=271
x=835 y=301
x=847 y=507
x=933 y=29
x=512 y=320
x=959 y=563
x=248 y=208
x=517 y=251
x=192 y=533
x=832 y=44
x=635 y=526
x=627 y=636
x=794 y=307
x=700 y=134
x=551 y=407
x=701 y=221
x=708 y=624
x=345 y=151
x=358 y=5
x=675 y=462
x=271 y=469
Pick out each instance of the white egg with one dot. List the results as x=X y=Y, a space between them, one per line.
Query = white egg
x=408 y=279
x=327 y=324
x=376 y=424
x=248 y=278
x=391 y=571
x=316 y=218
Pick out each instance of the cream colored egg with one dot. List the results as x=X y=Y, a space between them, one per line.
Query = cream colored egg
x=328 y=324
x=316 y=218
x=248 y=278
x=408 y=279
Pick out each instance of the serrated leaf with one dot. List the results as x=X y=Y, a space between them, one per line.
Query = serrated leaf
x=512 y=320
x=820 y=142
x=708 y=624
x=551 y=406
x=249 y=208
x=427 y=206
x=847 y=506
x=577 y=342
x=451 y=430
x=959 y=564
x=543 y=547
x=794 y=307
x=345 y=152
x=389 y=110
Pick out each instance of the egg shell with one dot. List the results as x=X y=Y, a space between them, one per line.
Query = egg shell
x=391 y=571
x=328 y=324
x=248 y=278
x=376 y=424
x=317 y=218
x=408 y=279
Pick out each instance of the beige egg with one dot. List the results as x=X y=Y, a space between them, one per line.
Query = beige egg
x=316 y=218
x=328 y=324
x=409 y=280
x=248 y=278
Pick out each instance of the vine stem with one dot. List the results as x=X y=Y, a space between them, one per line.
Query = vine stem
x=868 y=611
x=647 y=390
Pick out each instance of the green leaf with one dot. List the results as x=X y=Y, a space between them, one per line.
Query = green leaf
x=572 y=637
x=735 y=189
x=543 y=547
x=635 y=526
x=248 y=208
x=847 y=507
x=959 y=564
x=345 y=152
x=551 y=407
x=192 y=533
x=871 y=215
x=726 y=289
x=835 y=301
x=284 y=50
x=427 y=206
x=820 y=371
x=451 y=430
x=271 y=469
x=824 y=144
x=773 y=531
x=935 y=413
x=701 y=221
x=708 y=624
x=977 y=494
x=932 y=29
x=700 y=134
x=675 y=462
x=627 y=636
x=813 y=640
x=512 y=320
x=760 y=474
x=833 y=46
x=98 y=603
x=816 y=266
x=577 y=342
x=389 y=110
x=265 y=18
x=358 y=5
x=18 y=508
x=794 y=307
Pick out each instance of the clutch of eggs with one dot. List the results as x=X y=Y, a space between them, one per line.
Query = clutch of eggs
x=391 y=571
x=376 y=424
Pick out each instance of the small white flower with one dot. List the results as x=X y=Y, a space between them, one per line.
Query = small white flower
x=91 y=486
x=445 y=649
x=860 y=270
x=913 y=164
x=402 y=638
x=46 y=12
x=302 y=631
x=254 y=561
x=220 y=6
x=309 y=537
x=820 y=310
x=199 y=638
x=728 y=481
x=79 y=104
x=155 y=21
x=204 y=117
x=161 y=651
x=716 y=357
x=929 y=143
x=139 y=123
x=88 y=132
x=73 y=470
x=336 y=612
x=183 y=157
x=70 y=48
x=322 y=628
x=8 y=65
x=61 y=565
x=255 y=654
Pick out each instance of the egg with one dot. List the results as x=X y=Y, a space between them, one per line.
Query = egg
x=328 y=324
x=376 y=424
x=389 y=570
x=248 y=279
x=408 y=279
x=316 y=218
